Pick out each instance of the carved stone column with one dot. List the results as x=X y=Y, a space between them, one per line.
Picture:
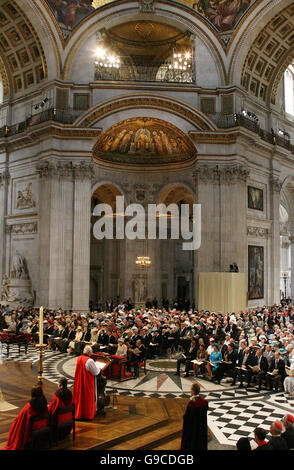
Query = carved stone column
x=55 y=234
x=274 y=268
x=221 y=191
x=83 y=174
x=4 y=182
x=291 y=240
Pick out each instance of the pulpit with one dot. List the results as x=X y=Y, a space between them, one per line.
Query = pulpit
x=222 y=292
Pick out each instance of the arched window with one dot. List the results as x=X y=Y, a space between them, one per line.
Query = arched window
x=289 y=92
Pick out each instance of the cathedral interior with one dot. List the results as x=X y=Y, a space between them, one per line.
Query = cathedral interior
x=158 y=102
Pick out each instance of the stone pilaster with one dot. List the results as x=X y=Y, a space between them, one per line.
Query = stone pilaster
x=55 y=234
x=4 y=182
x=274 y=268
x=221 y=191
x=291 y=240
x=83 y=174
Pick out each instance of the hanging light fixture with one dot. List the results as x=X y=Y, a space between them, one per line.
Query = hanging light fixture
x=143 y=261
x=106 y=59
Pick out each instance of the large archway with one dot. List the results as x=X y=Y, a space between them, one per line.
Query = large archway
x=148 y=152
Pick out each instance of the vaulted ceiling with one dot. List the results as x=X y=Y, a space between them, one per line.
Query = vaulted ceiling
x=270 y=54
x=22 y=59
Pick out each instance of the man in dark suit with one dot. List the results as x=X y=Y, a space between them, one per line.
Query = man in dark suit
x=229 y=362
x=154 y=345
x=276 y=373
x=187 y=357
x=246 y=359
x=259 y=369
x=136 y=355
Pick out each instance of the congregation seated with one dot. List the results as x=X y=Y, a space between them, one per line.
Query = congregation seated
x=164 y=331
x=19 y=436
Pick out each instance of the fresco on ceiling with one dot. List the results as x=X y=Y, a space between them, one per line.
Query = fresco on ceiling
x=68 y=13
x=145 y=137
x=223 y=14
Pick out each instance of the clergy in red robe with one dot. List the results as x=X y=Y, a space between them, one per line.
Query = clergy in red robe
x=84 y=392
x=19 y=434
x=194 y=433
x=61 y=400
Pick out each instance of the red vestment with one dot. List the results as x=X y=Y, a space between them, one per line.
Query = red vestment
x=19 y=433
x=84 y=390
x=56 y=404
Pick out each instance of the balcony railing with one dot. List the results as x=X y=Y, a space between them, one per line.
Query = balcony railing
x=144 y=73
x=222 y=121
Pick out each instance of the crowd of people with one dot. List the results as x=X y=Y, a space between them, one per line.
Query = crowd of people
x=256 y=345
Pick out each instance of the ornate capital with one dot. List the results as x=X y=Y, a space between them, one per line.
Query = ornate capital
x=276 y=184
x=224 y=174
x=62 y=169
x=146 y=6
x=84 y=170
x=4 y=177
x=48 y=169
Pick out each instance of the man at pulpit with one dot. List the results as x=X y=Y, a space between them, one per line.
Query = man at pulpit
x=84 y=391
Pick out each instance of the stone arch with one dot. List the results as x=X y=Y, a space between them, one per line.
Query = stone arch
x=263 y=62
x=175 y=192
x=189 y=114
x=105 y=185
x=116 y=13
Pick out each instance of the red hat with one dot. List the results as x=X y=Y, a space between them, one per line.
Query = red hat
x=288 y=420
x=278 y=426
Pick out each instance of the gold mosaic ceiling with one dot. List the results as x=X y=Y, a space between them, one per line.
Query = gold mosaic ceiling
x=145 y=41
x=269 y=56
x=22 y=60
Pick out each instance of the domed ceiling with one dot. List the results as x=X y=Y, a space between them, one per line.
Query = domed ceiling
x=223 y=15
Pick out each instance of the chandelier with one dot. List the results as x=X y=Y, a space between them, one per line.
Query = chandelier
x=181 y=61
x=143 y=261
x=106 y=60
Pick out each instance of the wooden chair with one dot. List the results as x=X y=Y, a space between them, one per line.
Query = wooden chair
x=65 y=418
x=40 y=430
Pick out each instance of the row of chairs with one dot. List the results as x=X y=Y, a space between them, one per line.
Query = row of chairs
x=42 y=429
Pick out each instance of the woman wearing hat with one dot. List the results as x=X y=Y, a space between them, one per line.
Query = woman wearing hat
x=122 y=349
x=214 y=360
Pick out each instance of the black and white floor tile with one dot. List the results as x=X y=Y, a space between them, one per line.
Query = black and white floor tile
x=233 y=412
x=231 y=420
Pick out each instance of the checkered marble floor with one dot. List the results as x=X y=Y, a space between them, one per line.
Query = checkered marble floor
x=233 y=412
x=231 y=420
